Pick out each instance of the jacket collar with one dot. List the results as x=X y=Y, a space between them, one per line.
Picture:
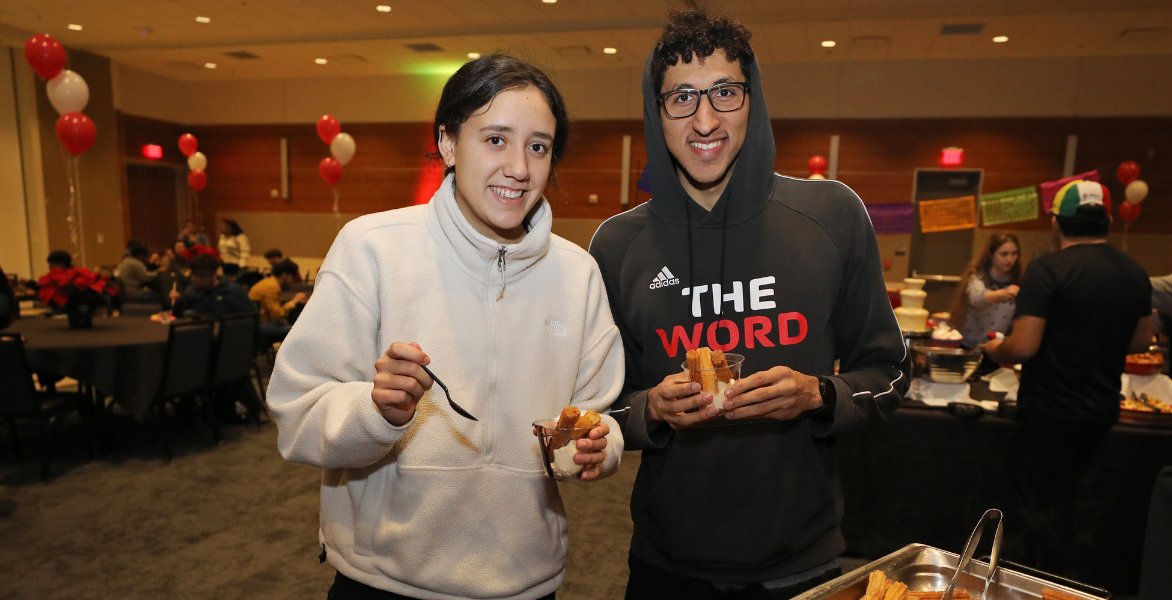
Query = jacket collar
x=478 y=254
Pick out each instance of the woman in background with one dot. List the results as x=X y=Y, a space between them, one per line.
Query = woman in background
x=234 y=248
x=988 y=291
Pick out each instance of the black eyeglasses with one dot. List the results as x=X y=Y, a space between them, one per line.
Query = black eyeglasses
x=724 y=97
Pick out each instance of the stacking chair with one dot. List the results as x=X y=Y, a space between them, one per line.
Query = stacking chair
x=185 y=373
x=19 y=398
x=232 y=363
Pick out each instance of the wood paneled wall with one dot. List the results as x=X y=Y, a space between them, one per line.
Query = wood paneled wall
x=877 y=159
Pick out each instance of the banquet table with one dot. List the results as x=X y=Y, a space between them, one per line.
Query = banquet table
x=926 y=476
x=120 y=356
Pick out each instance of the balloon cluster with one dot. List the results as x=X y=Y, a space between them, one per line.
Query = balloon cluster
x=341 y=147
x=1134 y=189
x=67 y=90
x=196 y=161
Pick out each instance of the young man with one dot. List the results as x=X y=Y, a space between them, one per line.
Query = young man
x=274 y=323
x=208 y=295
x=133 y=274
x=191 y=234
x=60 y=259
x=784 y=271
x=1080 y=311
x=274 y=256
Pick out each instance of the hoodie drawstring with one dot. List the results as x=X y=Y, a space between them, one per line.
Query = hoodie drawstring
x=500 y=266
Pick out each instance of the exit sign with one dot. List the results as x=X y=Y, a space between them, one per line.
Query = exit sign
x=152 y=151
x=951 y=157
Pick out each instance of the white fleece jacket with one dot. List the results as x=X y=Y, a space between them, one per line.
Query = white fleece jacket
x=445 y=507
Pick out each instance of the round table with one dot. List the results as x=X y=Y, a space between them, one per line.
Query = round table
x=120 y=356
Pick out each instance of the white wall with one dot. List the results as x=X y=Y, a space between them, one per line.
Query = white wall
x=1096 y=86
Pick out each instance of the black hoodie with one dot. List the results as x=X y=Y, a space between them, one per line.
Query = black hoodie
x=797 y=270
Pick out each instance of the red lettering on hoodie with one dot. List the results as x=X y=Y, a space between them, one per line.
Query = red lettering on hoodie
x=734 y=335
x=752 y=323
x=678 y=334
x=783 y=328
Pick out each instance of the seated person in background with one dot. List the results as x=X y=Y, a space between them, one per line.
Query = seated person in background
x=208 y=295
x=274 y=316
x=274 y=256
x=988 y=288
x=133 y=273
x=191 y=235
x=173 y=262
x=9 y=308
x=60 y=259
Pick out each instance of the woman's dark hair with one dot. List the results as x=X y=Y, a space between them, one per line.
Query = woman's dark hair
x=233 y=227
x=479 y=81
x=1089 y=221
x=136 y=248
x=979 y=268
x=693 y=33
x=61 y=257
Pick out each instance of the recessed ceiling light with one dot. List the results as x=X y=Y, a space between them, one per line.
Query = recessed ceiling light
x=609 y=50
x=320 y=61
x=74 y=27
x=474 y=55
x=203 y=19
x=383 y=8
x=828 y=44
x=1001 y=39
x=209 y=65
x=550 y=1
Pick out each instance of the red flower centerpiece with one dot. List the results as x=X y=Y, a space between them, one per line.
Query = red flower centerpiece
x=197 y=250
x=78 y=291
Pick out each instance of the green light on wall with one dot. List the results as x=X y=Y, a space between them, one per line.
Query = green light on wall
x=445 y=68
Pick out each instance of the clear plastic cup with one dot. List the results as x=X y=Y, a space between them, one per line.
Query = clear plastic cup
x=558 y=446
x=734 y=367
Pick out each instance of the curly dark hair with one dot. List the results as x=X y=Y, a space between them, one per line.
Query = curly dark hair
x=693 y=32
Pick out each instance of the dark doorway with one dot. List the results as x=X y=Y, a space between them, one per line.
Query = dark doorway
x=940 y=257
x=154 y=217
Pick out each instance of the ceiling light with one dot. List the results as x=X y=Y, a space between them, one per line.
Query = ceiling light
x=474 y=55
x=609 y=50
x=203 y=20
x=1001 y=39
x=75 y=27
x=209 y=65
x=828 y=44
x=383 y=8
x=550 y=1
x=320 y=61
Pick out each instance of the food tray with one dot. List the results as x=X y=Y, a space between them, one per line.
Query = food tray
x=1144 y=418
x=924 y=568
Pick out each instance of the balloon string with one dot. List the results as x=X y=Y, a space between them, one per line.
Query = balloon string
x=80 y=211
x=70 y=219
x=337 y=215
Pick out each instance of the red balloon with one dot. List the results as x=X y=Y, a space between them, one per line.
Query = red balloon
x=188 y=144
x=1129 y=212
x=198 y=179
x=328 y=127
x=330 y=169
x=76 y=132
x=817 y=165
x=1127 y=172
x=45 y=55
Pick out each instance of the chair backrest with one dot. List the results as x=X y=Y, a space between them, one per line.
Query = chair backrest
x=235 y=347
x=189 y=349
x=17 y=393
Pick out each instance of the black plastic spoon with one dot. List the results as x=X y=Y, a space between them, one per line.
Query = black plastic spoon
x=452 y=403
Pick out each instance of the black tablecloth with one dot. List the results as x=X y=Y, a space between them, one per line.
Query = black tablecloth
x=119 y=356
x=926 y=476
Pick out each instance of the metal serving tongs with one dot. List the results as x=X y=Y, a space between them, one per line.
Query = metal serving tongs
x=971 y=546
x=452 y=403
x=1143 y=399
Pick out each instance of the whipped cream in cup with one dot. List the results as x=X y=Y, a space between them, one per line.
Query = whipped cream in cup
x=734 y=366
x=558 y=462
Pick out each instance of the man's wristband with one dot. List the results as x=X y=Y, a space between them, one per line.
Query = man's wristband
x=829 y=399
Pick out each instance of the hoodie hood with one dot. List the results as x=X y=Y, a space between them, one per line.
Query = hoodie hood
x=752 y=175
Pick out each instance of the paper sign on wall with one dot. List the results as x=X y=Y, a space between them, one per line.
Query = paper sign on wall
x=948 y=214
x=892 y=219
x=1009 y=206
x=1050 y=188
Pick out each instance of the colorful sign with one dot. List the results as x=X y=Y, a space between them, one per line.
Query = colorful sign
x=1051 y=187
x=892 y=219
x=1009 y=206
x=948 y=214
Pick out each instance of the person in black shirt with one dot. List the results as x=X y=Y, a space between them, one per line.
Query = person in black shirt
x=208 y=295
x=1080 y=311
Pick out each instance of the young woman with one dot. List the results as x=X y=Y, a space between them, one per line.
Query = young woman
x=234 y=248
x=988 y=289
x=418 y=501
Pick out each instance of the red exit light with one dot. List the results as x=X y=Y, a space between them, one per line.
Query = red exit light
x=152 y=151
x=951 y=157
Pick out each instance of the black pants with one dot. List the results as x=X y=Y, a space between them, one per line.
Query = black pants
x=649 y=582
x=345 y=588
x=1046 y=461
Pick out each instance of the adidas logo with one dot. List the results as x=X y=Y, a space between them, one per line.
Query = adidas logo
x=663 y=279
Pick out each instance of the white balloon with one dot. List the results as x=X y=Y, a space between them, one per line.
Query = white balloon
x=1136 y=191
x=343 y=147
x=197 y=161
x=68 y=92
